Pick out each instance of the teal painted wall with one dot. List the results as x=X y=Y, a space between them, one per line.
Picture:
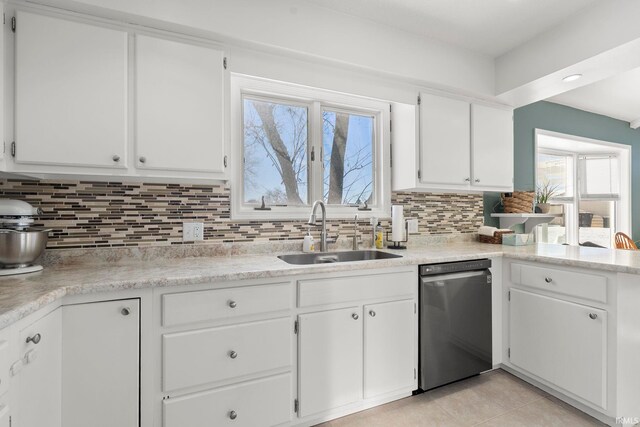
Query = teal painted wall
x=559 y=118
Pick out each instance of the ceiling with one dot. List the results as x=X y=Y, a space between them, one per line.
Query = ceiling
x=491 y=27
x=617 y=97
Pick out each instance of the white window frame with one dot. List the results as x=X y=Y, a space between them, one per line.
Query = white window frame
x=316 y=100
x=624 y=218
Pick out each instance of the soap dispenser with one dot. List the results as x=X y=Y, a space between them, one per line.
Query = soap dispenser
x=308 y=244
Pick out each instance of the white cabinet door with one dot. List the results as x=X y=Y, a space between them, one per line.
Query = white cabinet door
x=179 y=106
x=445 y=151
x=389 y=347
x=330 y=359
x=100 y=363
x=38 y=383
x=492 y=144
x=71 y=93
x=561 y=342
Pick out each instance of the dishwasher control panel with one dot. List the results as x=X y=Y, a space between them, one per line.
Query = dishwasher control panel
x=454 y=267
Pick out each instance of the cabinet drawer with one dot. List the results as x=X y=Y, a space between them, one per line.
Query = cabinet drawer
x=356 y=288
x=199 y=306
x=587 y=286
x=266 y=402
x=208 y=355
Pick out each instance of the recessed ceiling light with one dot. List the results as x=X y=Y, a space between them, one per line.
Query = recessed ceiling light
x=572 y=77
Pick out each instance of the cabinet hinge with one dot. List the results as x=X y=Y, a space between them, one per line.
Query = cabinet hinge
x=509 y=353
x=295 y=327
x=295 y=405
x=419 y=174
x=419 y=100
x=3 y=19
x=224 y=62
x=13 y=149
x=391 y=155
x=13 y=24
x=415 y=308
x=415 y=373
x=390 y=126
x=509 y=296
x=225 y=161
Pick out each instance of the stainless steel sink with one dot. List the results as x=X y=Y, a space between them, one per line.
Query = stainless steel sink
x=333 y=257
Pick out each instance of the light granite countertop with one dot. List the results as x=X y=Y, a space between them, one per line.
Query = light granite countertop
x=21 y=295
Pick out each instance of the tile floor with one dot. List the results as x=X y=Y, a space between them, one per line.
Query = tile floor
x=496 y=398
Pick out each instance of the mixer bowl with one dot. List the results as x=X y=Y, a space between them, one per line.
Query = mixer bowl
x=20 y=248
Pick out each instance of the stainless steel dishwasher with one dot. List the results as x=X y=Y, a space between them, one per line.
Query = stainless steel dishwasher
x=455 y=321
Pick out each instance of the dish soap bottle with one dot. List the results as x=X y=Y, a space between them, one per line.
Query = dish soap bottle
x=379 y=236
x=308 y=244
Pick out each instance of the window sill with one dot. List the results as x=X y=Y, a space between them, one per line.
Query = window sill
x=302 y=214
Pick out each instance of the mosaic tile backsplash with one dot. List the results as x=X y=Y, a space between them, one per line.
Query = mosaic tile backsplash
x=99 y=214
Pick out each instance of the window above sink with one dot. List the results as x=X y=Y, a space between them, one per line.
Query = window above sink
x=296 y=144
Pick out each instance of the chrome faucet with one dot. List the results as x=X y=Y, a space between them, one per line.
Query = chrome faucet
x=312 y=221
x=355 y=233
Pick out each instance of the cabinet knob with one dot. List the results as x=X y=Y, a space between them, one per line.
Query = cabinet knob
x=116 y=158
x=125 y=311
x=355 y=316
x=372 y=313
x=34 y=339
x=233 y=415
x=142 y=159
x=477 y=180
x=548 y=279
x=233 y=354
x=593 y=316
x=232 y=304
x=467 y=179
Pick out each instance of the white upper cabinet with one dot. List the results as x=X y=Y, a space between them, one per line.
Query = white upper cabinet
x=179 y=100
x=71 y=93
x=444 y=141
x=492 y=147
x=451 y=144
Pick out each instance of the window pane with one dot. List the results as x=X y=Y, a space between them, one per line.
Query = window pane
x=348 y=142
x=557 y=171
x=597 y=223
x=275 y=152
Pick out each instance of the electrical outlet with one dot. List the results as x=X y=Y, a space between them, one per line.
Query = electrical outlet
x=192 y=231
x=412 y=226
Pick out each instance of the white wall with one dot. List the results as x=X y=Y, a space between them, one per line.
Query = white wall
x=318 y=35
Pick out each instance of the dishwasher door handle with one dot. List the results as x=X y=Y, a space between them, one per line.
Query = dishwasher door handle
x=449 y=276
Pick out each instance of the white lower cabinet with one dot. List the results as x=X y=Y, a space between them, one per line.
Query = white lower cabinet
x=262 y=403
x=37 y=375
x=5 y=414
x=389 y=347
x=561 y=342
x=330 y=359
x=100 y=364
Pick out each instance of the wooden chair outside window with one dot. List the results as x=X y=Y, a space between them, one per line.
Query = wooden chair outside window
x=625 y=242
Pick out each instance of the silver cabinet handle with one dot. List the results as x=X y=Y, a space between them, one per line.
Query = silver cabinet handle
x=372 y=313
x=116 y=158
x=125 y=311
x=593 y=316
x=355 y=316
x=233 y=415
x=548 y=279
x=142 y=159
x=477 y=180
x=232 y=304
x=34 y=339
x=467 y=179
x=233 y=354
